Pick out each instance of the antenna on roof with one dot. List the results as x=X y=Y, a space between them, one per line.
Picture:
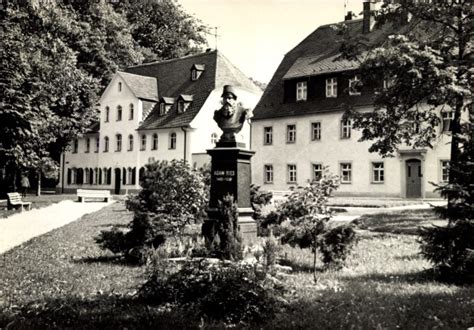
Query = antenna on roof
x=214 y=34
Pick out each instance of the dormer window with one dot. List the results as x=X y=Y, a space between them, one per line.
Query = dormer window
x=183 y=102
x=180 y=106
x=331 y=87
x=165 y=105
x=196 y=71
x=301 y=91
x=354 y=85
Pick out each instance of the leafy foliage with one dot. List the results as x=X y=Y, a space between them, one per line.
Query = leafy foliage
x=450 y=248
x=162 y=29
x=57 y=57
x=308 y=214
x=216 y=291
x=172 y=196
x=428 y=70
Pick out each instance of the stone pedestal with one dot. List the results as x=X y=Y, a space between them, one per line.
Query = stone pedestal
x=231 y=174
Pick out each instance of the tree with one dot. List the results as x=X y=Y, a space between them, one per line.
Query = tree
x=308 y=214
x=46 y=99
x=428 y=70
x=425 y=73
x=163 y=29
x=58 y=55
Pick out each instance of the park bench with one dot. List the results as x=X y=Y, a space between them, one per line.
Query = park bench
x=82 y=194
x=15 y=201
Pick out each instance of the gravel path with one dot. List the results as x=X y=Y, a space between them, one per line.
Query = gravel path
x=23 y=226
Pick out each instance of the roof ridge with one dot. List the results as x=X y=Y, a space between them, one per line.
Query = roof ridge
x=173 y=59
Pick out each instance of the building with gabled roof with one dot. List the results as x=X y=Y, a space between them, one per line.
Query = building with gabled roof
x=298 y=126
x=155 y=111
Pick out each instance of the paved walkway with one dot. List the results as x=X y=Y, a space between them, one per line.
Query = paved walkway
x=355 y=212
x=21 y=227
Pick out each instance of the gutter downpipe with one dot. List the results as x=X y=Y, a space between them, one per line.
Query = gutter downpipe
x=183 y=128
x=62 y=172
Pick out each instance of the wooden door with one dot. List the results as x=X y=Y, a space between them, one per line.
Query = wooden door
x=117 y=181
x=414 y=175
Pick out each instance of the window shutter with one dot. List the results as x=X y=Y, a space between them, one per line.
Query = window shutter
x=69 y=173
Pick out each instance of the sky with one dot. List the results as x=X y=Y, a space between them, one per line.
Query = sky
x=255 y=34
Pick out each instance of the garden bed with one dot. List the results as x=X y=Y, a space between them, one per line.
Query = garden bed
x=62 y=279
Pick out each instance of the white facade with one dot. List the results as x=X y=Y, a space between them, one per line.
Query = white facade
x=367 y=177
x=123 y=162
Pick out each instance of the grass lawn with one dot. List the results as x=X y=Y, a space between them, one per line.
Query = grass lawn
x=62 y=279
x=36 y=202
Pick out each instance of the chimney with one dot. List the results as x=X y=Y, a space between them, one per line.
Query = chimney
x=368 y=19
x=348 y=16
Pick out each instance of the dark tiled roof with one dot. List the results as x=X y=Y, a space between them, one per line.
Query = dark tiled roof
x=174 y=79
x=147 y=107
x=316 y=54
x=142 y=87
x=317 y=64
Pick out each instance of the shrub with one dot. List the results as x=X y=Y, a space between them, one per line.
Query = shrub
x=450 y=248
x=216 y=291
x=172 y=196
x=307 y=214
x=230 y=242
x=336 y=244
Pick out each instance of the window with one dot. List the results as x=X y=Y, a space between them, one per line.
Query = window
x=130 y=142
x=130 y=113
x=119 y=86
x=316 y=131
x=118 y=142
x=143 y=142
x=447 y=117
x=172 y=142
x=119 y=113
x=162 y=108
x=88 y=145
x=75 y=146
x=346 y=126
x=214 y=137
x=86 y=175
x=354 y=85
x=301 y=91
x=291 y=173
x=154 y=144
x=107 y=114
x=378 y=173
x=346 y=172
x=267 y=135
x=106 y=144
x=331 y=87
x=194 y=74
x=317 y=172
x=290 y=133
x=97 y=144
x=445 y=171
x=268 y=173
x=180 y=106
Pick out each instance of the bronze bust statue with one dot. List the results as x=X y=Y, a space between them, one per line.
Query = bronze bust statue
x=231 y=116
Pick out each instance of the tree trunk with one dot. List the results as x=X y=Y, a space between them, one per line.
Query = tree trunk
x=38 y=189
x=315 y=279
